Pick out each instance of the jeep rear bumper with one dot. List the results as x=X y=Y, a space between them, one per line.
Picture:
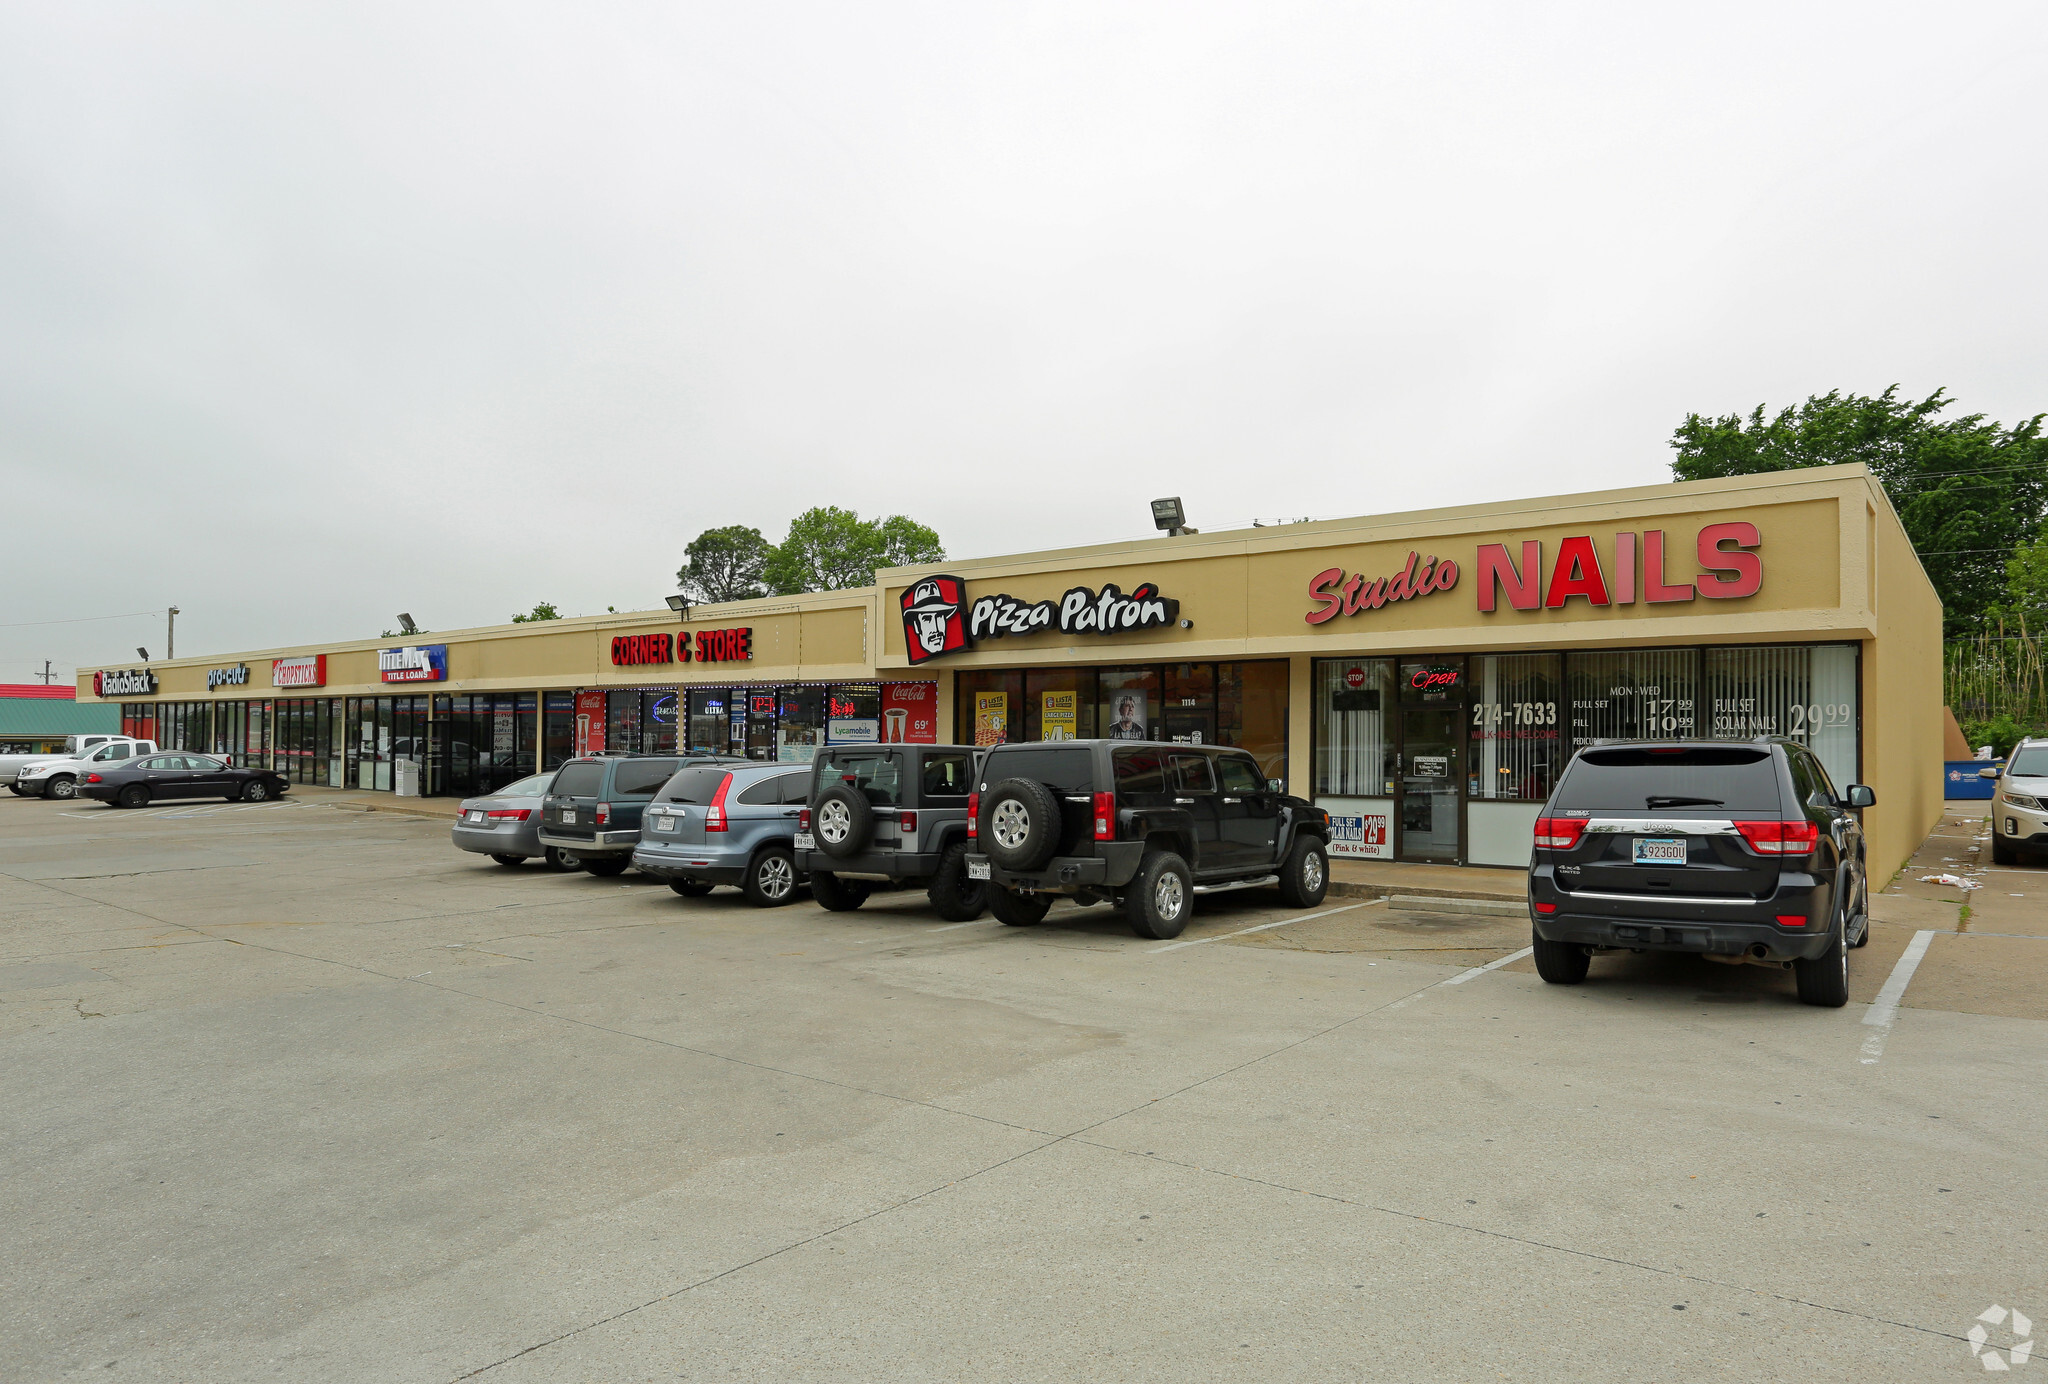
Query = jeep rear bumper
x=1667 y=935
x=1113 y=866
x=872 y=864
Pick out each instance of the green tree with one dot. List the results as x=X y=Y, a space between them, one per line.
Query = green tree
x=724 y=564
x=543 y=611
x=1970 y=492
x=2026 y=586
x=831 y=549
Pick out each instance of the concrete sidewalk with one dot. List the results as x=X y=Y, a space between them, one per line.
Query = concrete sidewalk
x=1380 y=879
x=364 y=800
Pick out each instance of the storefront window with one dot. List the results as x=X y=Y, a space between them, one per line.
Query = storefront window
x=1059 y=704
x=853 y=714
x=1514 y=719
x=800 y=725
x=989 y=706
x=659 y=714
x=558 y=731
x=1632 y=694
x=709 y=720
x=622 y=721
x=1127 y=704
x=1807 y=693
x=1251 y=711
x=1354 y=763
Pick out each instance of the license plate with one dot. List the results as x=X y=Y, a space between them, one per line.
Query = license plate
x=804 y=842
x=977 y=869
x=568 y=818
x=664 y=824
x=473 y=816
x=1660 y=850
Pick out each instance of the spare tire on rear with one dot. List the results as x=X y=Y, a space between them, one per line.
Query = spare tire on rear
x=1020 y=824
x=842 y=820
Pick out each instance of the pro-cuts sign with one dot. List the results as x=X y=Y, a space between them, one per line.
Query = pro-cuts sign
x=1638 y=568
x=939 y=619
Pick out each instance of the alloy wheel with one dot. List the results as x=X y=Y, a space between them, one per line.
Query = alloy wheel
x=1312 y=871
x=1167 y=897
x=777 y=876
x=1010 y=823
x=834 y=821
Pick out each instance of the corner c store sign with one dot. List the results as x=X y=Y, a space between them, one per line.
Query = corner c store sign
x=1727 y=552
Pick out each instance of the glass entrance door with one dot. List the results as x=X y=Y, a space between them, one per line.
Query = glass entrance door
x=1428 y=810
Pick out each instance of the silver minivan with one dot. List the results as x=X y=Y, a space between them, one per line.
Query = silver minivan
x=721 y=824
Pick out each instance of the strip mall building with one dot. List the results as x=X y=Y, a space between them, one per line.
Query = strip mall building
x=1424 y=676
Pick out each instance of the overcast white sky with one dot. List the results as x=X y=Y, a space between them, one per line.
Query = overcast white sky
x=312 y=314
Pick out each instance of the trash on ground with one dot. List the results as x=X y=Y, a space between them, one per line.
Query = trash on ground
x=1953 y=881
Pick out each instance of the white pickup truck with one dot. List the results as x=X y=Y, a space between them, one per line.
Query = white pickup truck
x=56 y=775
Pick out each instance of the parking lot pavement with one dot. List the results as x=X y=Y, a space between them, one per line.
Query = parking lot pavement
x=306 y=1094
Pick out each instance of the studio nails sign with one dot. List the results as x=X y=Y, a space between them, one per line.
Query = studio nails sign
x=1638 y=571
x=413 y=663
x=126 y=683
x=237 y=676
x=938 y=619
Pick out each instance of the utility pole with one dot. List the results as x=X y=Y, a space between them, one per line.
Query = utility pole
x=46 y=675
x=171 y=633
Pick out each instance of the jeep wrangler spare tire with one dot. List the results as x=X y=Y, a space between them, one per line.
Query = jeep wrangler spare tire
x=1020 y=824
x=842 y=821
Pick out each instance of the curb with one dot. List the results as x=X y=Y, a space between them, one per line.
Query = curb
x=1487 y=907
x=1351 y=889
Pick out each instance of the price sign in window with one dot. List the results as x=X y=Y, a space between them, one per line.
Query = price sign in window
x=1514 y=727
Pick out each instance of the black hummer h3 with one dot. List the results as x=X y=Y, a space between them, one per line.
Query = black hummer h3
x=890 y=815
x=1147 y=825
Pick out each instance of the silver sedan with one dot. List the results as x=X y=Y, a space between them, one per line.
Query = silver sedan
x=505 y=825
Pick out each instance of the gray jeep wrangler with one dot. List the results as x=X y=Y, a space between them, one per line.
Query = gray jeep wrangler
x=890 y=815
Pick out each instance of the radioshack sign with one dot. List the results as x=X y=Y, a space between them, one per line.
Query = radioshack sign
x=1633 y=567
x=413 y=663
x=130 y=682
x=310 y=671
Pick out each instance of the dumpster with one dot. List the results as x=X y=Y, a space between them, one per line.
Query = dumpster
x=1961 y=778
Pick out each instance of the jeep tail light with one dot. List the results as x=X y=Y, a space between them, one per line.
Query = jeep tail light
x=803 y=819
x=973 y=815
x=1105 y=816
x=1559 y=833
x=1791 y=920
x=714 y=815
x=1780 y=838
x=603 y=815
x=1546 y=908
x=906 y=822
x=508 y=814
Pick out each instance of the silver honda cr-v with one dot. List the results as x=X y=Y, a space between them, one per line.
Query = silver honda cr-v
x=726 y=825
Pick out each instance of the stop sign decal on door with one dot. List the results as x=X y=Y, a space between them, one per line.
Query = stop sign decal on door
x=1354 y=678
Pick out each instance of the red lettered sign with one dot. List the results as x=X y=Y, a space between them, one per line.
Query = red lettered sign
x=725 y=646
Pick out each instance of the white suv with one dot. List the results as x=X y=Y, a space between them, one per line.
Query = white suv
x=2019 y=805
x=58 y=778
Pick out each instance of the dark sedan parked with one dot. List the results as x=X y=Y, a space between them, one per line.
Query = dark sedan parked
x=178 y=777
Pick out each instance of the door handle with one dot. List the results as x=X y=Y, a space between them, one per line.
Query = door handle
x=1233 y=800
x=1185 y=802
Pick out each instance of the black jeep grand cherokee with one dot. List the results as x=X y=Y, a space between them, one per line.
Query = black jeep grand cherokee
x=1148 y=825
x=1740 y=851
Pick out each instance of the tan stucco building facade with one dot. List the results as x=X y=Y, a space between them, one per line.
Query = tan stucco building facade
x=1424 y=675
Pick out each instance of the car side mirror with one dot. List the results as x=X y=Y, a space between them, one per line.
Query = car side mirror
x=1276 y=785
x=1987 y=773
x=1860 y=796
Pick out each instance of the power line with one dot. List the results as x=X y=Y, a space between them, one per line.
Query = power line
x=81 y=620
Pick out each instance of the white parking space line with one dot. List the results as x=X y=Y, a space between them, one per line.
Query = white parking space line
x=1284 y=922
x=1490 y=966
x=1884 y=1010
